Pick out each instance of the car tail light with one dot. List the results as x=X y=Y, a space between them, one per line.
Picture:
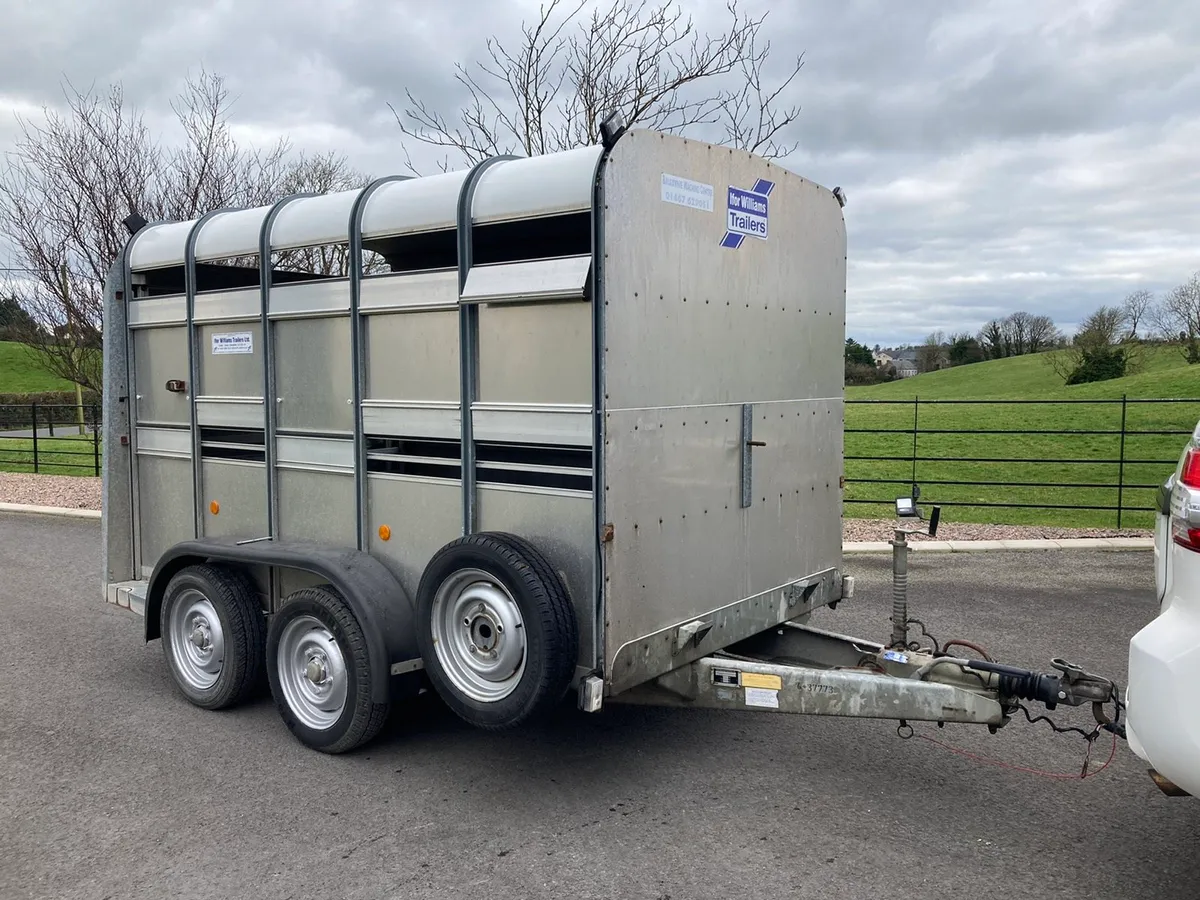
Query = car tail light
x=1189 y=472
x=1185 y=518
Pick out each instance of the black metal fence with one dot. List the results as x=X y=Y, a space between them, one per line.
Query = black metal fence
x=50 y=438
x=1102 y=457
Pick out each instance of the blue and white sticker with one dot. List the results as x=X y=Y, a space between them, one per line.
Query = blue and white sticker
x=232 y=342
x=747 y=213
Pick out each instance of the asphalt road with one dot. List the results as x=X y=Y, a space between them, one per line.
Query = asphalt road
x=111 y=786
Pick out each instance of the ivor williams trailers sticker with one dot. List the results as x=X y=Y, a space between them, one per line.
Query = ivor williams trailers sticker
x=746 y=213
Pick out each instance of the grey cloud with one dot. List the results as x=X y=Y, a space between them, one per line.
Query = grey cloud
x=998 y=154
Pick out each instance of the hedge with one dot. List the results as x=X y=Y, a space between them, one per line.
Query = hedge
x=57 y=407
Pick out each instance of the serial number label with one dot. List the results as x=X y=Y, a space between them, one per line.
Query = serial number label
x=817 y=689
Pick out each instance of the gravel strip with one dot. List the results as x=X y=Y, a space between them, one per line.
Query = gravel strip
x=883 y=530
x=63 y=491
x=72 y=492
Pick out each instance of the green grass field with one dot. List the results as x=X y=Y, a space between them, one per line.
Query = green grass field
x=1085 y=465
x=21 y=373
x=70 y=455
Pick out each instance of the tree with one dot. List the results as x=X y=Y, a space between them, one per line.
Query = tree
x=1136 y=306
x=991 y=339
x=1041 y=333
x=1100 y=349
x=15 y=322
x=1017 y=334
x=963 y=350
x=931 y=355
x=72 y=179
x=1177 y=318
x=858 y=353
x=549 y=90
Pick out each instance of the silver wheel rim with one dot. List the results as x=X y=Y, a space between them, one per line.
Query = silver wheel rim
x=197 y=640
x=312 y=672
x=478 y=635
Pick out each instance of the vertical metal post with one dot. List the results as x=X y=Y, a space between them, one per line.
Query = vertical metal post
x=33 y=416
x=468 y=333
x=357 y=356
x=189 y=281
x=1121 y=463
x=49 y=421
x=916 y=402
x=96 y=441
x=598 y=422
x=900 y=590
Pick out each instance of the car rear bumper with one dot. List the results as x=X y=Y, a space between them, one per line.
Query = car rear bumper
x=1163 y=716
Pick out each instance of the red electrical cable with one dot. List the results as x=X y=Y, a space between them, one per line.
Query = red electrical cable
x=1003 y=765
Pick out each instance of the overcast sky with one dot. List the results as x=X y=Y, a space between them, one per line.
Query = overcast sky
x=996 y=155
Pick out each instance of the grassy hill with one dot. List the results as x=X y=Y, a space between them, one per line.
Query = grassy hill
x=21 y=373
x=1163 y=374
x=1057 y=452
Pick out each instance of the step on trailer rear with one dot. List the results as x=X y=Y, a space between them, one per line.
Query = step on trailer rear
x=571 y=422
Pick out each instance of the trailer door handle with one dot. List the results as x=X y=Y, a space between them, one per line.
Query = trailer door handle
x=756 y=443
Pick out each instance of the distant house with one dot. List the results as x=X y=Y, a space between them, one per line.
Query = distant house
x=881 y=357
x=904 y=359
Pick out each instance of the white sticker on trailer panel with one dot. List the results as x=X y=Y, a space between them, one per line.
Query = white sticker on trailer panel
x=233 y=342
x=762 y=697
x=685 y=192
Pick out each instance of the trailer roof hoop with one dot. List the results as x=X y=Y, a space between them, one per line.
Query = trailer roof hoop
x=468 y=335
x=357 y=362
x=189 y=283
x=265 y=270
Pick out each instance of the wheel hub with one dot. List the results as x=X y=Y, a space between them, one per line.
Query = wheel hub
x=317 y=670
x=201 y=636
x=484 y=630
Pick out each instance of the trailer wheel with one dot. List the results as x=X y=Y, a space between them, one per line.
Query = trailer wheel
x=213 y=635
x=320 y=672
x=497 y=630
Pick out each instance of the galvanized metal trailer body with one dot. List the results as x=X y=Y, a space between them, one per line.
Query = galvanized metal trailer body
x=615 y=370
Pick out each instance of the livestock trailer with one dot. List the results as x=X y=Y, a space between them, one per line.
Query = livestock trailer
x=571 y=422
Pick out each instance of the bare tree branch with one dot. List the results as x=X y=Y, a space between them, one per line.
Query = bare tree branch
x=647 y=60
x=73 y=177
x=1136 y=306
x=1177 y=318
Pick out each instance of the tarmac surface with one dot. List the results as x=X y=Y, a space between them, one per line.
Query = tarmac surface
x=112 y=786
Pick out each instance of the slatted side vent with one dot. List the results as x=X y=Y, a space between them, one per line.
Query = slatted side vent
x=241 y=444
x=551 y=466
x=420 y=457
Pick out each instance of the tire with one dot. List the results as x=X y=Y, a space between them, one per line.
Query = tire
x=213 y=634
x=496 y=629
x=320 y=672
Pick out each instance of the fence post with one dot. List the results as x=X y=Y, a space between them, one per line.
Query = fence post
x=96 y=441
x=33 y=416
x=916 y=402
x=49 y=420
x=1121 y=463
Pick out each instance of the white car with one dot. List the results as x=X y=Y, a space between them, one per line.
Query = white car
x=1163 y=715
